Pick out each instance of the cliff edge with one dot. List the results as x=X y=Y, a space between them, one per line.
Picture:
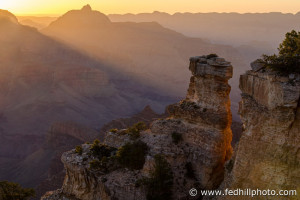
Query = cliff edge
x=187 y=149
x=268 y=155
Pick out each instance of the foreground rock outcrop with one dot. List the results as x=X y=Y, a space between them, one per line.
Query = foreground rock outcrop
x=268 y=155
x=195 y=141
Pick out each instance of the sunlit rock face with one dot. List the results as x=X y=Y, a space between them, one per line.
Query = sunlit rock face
x=203 y=120
x=207 y=117
x=268 y=153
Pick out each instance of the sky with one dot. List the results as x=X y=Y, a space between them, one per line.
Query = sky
x=58 y=7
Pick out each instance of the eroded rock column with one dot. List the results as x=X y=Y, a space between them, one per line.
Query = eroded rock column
x=207 y=116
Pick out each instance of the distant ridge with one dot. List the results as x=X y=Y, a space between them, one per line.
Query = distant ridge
x=86 y=8
x=85 y=16
x=223 y=28
x=44 y=81
x=6 y=15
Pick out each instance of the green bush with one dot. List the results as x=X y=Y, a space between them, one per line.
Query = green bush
x=96 y=142
x=99 y=150
x=79 y=150
x=159 y=185
x=134 y=131
x=132 y=155
x=141 y=126
x=13 y=191
x=176 y=137
x=106 y=164
x=288 y=59
x=95 y=164
x=114 y=130
x=212 y=55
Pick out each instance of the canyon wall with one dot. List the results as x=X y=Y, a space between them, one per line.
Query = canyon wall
x=268 y=154
x=202 y=121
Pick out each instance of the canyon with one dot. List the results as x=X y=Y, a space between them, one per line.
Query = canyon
x=205 y=145
x=266 y=157
x=87 y=76
x=129 y=46
x=45 y=82
x=56 y=78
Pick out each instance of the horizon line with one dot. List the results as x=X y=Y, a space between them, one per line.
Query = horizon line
x=156 y=11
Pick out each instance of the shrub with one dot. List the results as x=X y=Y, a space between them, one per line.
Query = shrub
x=288 y=59
x=78 y=150
x=101 y=150
x=141 y=126
x=176 y=137
x=105 y=165
x=132 y=155
x=95 y=164
x=212 y=55
x=96 y=142
x=159 y=185
x=134 y=131
x=13 y=191
x=114 y=130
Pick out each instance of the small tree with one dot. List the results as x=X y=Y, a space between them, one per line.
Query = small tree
x=79 y=150
x=288 y=59
x=134 y=131
x=132 y=155
x=13 y=191
x=99 y=150
x=159 y=185
x=114 y=130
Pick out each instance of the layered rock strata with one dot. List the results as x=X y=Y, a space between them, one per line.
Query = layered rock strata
x=202 y=121
x=268 y=154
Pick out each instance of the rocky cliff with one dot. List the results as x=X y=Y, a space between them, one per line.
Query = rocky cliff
x=268 y=155
x=194 y=141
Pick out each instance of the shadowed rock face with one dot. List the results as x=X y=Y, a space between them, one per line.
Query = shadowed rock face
x=268 y=152
x=205 y=144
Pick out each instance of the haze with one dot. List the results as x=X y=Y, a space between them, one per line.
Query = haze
x=56 y=7
x=68 y=78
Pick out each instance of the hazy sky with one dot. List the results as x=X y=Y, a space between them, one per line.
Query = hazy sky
x=136 y=6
